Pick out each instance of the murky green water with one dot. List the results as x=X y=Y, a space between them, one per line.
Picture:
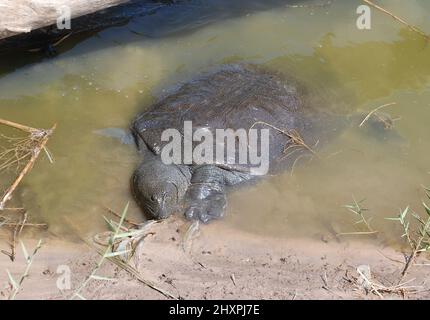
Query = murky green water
x=105 y=80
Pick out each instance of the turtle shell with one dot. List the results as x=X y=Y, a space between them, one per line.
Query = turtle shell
x=234 y=97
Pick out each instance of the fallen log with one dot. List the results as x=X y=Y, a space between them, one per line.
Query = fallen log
x=23 y=16
x=32 y=24
x=86 y=22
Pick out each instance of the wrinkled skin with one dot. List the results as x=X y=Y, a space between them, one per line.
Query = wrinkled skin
x=233 y=97
x=162 y=190
x=159 y=188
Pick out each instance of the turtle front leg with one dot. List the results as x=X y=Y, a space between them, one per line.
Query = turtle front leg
x=206 y=198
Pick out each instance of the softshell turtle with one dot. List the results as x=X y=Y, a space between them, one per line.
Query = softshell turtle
x=233 y=97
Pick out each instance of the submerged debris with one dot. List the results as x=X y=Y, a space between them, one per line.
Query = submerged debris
x=388 y=122
x=24 y=150
x=21 y=156
x=397 y=18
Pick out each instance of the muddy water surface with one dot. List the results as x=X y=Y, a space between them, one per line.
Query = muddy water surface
x=105 y=80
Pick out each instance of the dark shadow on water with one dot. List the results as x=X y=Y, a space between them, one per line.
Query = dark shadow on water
x=127 y=23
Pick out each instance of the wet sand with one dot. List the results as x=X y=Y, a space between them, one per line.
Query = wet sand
x=236 y=265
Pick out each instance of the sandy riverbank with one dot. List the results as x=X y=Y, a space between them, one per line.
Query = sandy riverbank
x=223 y=263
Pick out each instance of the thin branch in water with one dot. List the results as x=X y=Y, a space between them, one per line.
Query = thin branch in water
x=16 y=232
x=294 y=136
x=402 y=21
x=19 y=126
x=38 y=140
x=375 y=110
x=293 y=167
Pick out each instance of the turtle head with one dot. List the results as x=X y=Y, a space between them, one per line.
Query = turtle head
x=159 y=189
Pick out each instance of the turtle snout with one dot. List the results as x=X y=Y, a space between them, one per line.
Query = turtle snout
x=166 y=202
x=163 y=211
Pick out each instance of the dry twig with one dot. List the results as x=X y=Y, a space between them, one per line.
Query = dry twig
x=23 y=154
x=296 y=139
x=378 y=288
x=38 y=138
